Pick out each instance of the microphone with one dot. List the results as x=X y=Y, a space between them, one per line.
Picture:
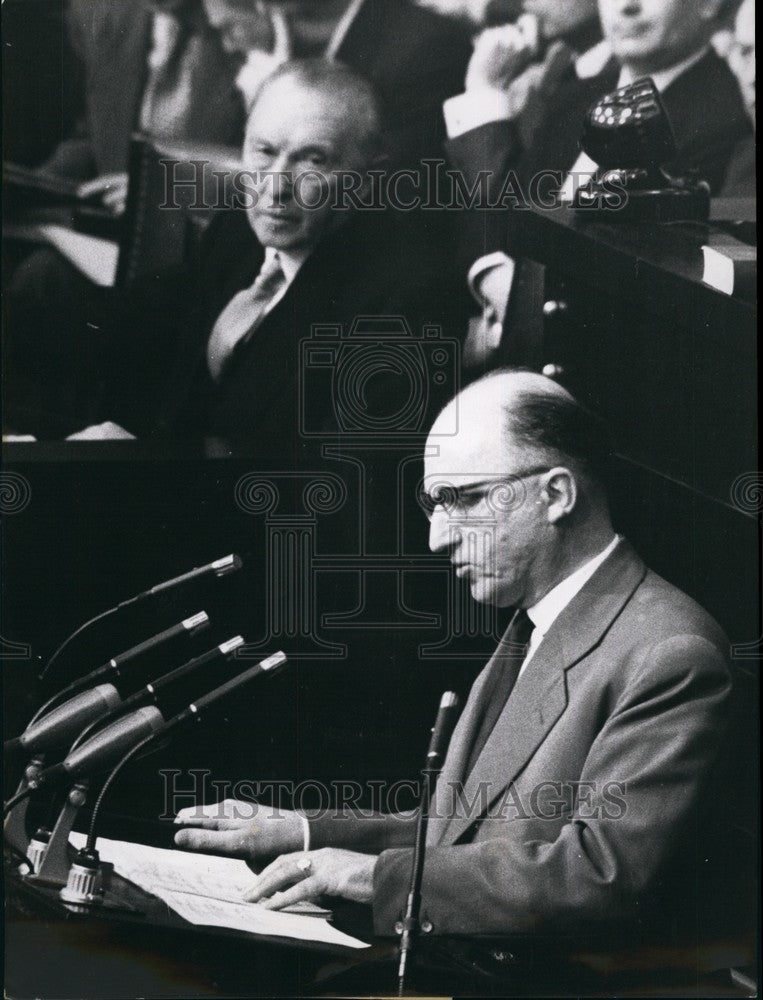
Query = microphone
x=219 y=568
x=114 y=667
x=270 y=665
x=196 y=623
x=63 y=723
x=445 y=723
x=408 y=926
x=152 y=691
x=110 y=742
x=123 y=735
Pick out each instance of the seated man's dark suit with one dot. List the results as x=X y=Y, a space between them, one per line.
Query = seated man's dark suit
x=374 y=264
x=628 y=695
x=705 y=109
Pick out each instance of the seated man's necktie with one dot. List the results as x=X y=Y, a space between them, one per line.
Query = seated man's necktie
x=243 y=314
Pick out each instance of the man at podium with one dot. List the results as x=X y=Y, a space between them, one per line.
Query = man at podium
x=573 y=794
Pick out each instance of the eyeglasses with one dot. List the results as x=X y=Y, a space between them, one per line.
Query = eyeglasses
x=502 y=493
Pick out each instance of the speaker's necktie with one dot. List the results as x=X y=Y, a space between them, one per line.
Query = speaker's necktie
x=243 y=314
x=501 y=680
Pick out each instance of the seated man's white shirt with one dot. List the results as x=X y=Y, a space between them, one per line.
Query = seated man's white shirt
x=547 y=610
x=291 y=261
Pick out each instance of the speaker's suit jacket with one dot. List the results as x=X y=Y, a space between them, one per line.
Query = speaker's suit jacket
x=580 y=807
x=415 y=57
x=376 y=264
x=704 y=105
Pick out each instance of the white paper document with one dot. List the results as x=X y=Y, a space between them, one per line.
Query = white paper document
x=94 y=256
x=207 y=890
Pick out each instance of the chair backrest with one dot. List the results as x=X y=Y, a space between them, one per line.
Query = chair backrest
x=154 y=235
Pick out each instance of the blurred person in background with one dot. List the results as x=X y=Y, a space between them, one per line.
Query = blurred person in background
x=528 y=50
x=736 y=44
x=156 y=66
x=415 y=58
x=663 y=39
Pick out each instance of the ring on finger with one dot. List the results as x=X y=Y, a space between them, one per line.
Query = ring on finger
x=304 y=865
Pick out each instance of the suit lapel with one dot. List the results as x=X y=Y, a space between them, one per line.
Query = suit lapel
x=221 y=276
x=269 y=359
x=540 y=696
x=444 y=800
x=688 y=117
x=706 y=131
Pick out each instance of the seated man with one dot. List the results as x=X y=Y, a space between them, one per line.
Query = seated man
x=571 y=797
x=174 y=71
x=217 y=353
x=665 y=39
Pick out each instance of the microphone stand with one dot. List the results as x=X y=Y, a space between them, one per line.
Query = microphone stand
x=54 y=867
x=83 y=885
x=15 y=823
x=16 y=809
x=411 y=924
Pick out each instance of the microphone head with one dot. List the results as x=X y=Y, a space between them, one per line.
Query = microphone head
x=226 y=648
x=196 y=622
x=113 y=741
x=226 y=565
x=442 y=730
x=274 y=662
x=63 y=723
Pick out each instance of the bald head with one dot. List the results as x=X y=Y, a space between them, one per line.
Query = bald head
x=515 y=493
x=528 y=413
x=352 y=98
